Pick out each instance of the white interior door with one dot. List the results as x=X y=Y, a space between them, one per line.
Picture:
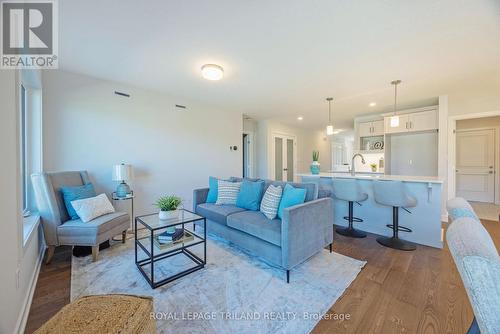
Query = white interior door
x=284 y=158
x=475 y=172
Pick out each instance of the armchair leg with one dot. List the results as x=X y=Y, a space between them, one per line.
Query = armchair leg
x=95 y=253
x=331 y=247
x=124 y=236
x=50 y=254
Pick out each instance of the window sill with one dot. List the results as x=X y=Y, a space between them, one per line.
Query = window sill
x=30 y=225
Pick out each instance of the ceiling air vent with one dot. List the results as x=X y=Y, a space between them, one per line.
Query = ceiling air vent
x=180 y=106
x=122 y=94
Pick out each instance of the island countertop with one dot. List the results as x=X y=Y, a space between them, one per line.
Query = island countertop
x=371 y=176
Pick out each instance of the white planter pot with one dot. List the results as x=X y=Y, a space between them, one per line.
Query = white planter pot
x=165 y=215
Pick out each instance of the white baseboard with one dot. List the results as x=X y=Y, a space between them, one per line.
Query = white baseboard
x=23 y=315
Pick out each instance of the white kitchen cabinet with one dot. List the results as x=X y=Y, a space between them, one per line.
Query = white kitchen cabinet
x=413 y=122
x=402 y=126
x=370 y=129
x=423 y=121
x=378 y=128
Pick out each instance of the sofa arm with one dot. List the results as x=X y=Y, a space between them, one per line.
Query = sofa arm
x=305 y=230
x=199 y=197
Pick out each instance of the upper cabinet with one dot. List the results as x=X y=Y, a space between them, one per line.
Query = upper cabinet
x=414 y=122
x=371 y=129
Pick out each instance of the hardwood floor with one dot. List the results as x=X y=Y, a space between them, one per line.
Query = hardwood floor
x=402 y=292
x=396 y=292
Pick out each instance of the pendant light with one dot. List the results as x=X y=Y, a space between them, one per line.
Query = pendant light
x=395 y=118
x=329 y=127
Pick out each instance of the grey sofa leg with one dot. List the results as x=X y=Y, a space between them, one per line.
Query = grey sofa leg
x=124 y=236
x=50 y=254
x=288 y=276
x=95 y=253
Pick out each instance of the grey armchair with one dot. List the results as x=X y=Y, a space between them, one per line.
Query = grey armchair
x=58 y=228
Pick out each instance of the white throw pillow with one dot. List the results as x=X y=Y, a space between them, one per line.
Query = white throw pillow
x=227 y=192
x=93 y=207
x=271 y=201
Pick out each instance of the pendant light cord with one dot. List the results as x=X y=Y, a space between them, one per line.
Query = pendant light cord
x=395 y=83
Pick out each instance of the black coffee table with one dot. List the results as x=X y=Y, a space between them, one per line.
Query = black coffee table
x=185 y=220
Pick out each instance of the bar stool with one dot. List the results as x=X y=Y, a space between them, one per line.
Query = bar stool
x=393 y=193
x=350 y=191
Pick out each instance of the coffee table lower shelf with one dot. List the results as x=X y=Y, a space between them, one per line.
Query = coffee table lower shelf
x=200 y=264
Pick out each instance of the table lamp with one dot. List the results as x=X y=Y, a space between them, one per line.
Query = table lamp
x=122 y=173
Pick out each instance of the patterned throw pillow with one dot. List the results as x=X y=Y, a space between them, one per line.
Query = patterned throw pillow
x=93 y=207
x=271 y=201
x=227 y=192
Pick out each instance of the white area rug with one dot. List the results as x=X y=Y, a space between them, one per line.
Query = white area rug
x=234 y=293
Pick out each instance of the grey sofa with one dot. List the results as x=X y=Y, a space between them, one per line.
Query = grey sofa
x=305 y=229
x=478 y=263
x=58 y=228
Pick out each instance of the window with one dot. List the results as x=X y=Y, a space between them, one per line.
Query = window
x=24 y=152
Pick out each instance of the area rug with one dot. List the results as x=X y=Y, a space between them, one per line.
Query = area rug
x=235 y=292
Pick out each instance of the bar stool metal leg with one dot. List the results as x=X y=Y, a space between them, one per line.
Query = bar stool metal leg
x=350 y=231
x=395 y=242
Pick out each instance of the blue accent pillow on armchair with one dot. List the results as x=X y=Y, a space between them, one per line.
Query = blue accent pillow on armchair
x=74 y=193
x=291 y=196
x=250 y=195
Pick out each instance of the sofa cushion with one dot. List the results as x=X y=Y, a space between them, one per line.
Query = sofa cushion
x=311 y=188
x=213 y=189
x=80 y=230
x=256 y=224
x=217 y=213
x=250 y=195
x=271 y=201
x=227 y=192
x=291 y=196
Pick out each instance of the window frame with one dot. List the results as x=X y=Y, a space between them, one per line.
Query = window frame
x=24 y=150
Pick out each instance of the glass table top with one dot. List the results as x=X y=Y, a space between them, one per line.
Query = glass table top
x=180 y=216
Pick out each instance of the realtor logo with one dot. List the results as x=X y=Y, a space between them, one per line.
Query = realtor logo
x=29 y=34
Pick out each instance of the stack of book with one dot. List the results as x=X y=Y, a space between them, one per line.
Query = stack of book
x=166 y=239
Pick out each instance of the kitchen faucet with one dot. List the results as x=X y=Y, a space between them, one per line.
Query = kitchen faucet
x=353 y=169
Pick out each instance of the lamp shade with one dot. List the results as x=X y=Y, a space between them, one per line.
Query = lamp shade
x=122 y=172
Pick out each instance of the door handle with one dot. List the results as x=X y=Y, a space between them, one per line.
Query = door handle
x=406 y=125
x=285 y=169
x=491 y=172
x=491 y=167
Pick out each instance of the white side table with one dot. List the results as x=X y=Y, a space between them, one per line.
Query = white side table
x=131 y=196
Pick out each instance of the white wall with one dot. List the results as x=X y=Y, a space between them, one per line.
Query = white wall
x=173 y=151
x=307 y=141
x=19 y=262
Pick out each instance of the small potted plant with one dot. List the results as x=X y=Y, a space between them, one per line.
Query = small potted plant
x=315 y=166
x=168 y=206
x=374 y=167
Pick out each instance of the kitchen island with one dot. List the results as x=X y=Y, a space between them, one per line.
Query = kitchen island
x=425 y=217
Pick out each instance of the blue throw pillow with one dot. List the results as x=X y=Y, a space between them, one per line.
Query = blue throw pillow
x=250 y=195
x=291 y=196
x=213 y=189
x=74 y=193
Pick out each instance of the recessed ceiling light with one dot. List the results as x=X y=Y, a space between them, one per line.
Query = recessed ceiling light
x=300 y=118
x=373 y=104
x=212 y=72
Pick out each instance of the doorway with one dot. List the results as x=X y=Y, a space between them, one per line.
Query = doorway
x=284 y=156
x=247 y=151
x=475 y=165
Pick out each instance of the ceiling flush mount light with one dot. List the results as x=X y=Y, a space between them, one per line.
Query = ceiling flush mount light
x=212 y=72
x=300 y=118
x=329 y=127
x=373 y=104
x=395 y=118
